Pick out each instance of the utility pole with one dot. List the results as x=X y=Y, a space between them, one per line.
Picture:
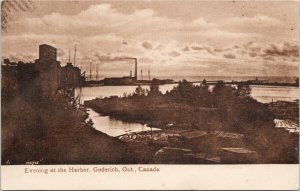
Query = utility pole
x=69 y=57
x=142 y=74
x=97 y=73
x=90 y=71
x=75 y=56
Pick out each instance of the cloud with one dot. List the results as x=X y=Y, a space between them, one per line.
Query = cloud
x=103 y=28
x=106 y=29
x=110 y=37
x=97 y=19
x=146 y=60
x=186 y=48
x=147 y=45
x=60 y=52
x=255 y=21
x=201 y=22
x=197 y=48
x=102 y=59
x=102 y=19
x=251 y=46
x=22 y=57
x=218 y=50
x=174 y=54
x=259 y=53
x=284 y=49
x=221 y=33
x=253 y=54
x=230 y=56
x=209 y=50
x=159 y=47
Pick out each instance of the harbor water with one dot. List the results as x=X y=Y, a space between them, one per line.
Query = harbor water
x=114 y=127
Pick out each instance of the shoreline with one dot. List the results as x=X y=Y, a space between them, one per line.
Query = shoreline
x=90 y=104
x=275 y=84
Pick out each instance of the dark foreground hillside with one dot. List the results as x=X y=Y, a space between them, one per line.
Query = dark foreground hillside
x=53 y=131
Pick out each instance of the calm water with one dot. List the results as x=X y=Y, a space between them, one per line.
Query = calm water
x=263 y=94
x=115 y=127
x=266 y=94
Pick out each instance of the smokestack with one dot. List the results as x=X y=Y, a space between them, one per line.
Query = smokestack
x=135 y=71
x=130 y=73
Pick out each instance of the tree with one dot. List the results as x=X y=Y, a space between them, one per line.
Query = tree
x=218 y=87
x=243 y=91
x=203 y=97
x=186 y=91
x=204 y=85
x=183 y=92
x=140 y=91
x=224 y=95
x=154 y=87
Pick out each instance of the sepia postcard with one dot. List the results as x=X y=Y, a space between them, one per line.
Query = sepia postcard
x=149 y=95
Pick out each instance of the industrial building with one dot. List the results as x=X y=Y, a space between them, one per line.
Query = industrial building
x=43 y=77
x=47 y=53
x=70 y=75
x=47 y=69
x=131 y=80
x=125 y=80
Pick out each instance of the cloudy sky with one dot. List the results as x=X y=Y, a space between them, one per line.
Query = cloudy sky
x=187 y=38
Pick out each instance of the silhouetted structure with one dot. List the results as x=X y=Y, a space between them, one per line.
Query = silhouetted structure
x=47 y=53
x=135 y=69
x=47 y=70
x=125 y=80
x=70 y=75
x=42 y=78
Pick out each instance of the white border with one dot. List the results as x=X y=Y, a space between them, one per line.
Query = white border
x=175 y=177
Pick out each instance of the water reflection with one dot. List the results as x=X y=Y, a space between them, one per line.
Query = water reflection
x=266 y=94
x=114 y=127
